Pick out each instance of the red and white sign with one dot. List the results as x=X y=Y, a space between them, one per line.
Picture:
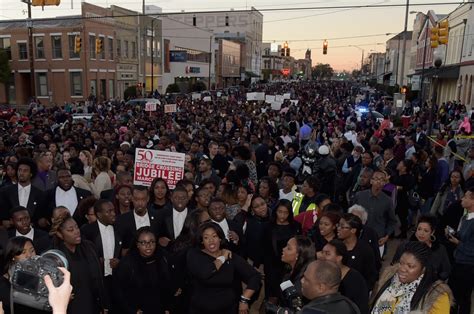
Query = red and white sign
x=150 y=106
x=170 y=108
x=151 y=164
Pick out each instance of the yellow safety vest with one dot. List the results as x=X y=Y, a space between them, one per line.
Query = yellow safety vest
x=297 y=200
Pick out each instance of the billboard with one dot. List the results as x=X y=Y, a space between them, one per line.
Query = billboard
x=178 y=56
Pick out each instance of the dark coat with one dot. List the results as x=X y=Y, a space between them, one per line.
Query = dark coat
x=91 y=232
x=41 y=239
x=333 y=303
x=9 y=199
x=127 y=229
x=51 y=201
x=164 y=227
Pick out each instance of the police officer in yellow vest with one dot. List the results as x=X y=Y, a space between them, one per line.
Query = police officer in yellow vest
x=305 y=200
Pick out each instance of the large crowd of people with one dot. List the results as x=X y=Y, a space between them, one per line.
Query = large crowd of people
x=290 y=208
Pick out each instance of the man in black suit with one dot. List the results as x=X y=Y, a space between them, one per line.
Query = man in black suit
x=106 y=241
x=21 y=220
x=420 y=138
x=128 y=223
x=23 y=194
x=122 y=178
x=67 y=195
x=232 y=230
x=171 y=220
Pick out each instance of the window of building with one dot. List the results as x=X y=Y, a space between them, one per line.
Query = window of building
x=5 y=44
x=110 y=46
x=226 y=21
x=22 y=51
x=158 y=49
x=92 y=47
x=56 y=47
x=148 y=48
x=119 y=48
x=111 y=89
x=194 y=21
x=134 y=50
x=125 y=48
x=71 y=46
x=42 y=84
x=39 y=47
x=76 y=83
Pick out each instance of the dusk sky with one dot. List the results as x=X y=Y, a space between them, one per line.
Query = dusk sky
x=302 y=28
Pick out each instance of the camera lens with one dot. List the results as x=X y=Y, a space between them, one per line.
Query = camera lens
x=57 y=257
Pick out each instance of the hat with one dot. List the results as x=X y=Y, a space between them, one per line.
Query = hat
x=125 y=143
x=323 y=150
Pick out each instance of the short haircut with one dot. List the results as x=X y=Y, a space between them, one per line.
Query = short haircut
x=361 y=209
x=28 y=162
x=179 y=188
x=76 y=166
x=98 y=205
x=354 y=222
x=327 y=273
x=140 y=188
x=17 y=209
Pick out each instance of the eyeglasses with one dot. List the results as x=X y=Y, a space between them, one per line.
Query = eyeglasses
x=147 y=243
x=339 y=226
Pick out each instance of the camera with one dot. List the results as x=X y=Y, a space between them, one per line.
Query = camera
x=291 y=297
x=28 y=287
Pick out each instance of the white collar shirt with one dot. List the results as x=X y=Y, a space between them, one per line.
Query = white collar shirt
x=24 y=194
x=67 y=199
x=224 y=226
x=178 y=221
x=29 y=235
x=141 y=221
x=108 y=244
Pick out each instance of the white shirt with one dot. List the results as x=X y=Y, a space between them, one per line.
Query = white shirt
x=141 y=221
x=288 y=196
x=178 y=221
x=224 y=226
x=29 y=235
x=24 y=194
x=470 y=216
x=67 y=199
x=108 y=245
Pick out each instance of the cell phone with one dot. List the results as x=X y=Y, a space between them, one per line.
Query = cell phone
x=450 y=230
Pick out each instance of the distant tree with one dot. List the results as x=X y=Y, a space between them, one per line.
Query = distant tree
x=130 y=92
x=321 y=71
x=172 y=88
x=199 y=86
x=5 y=71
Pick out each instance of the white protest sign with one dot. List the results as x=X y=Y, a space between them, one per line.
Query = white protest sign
x=207 y=99
x=276 y=105
x=260 y=96
x=219 y=94
x=196 y=96
x=150 y=106
x=251 y=96
x=287 y=96
x=294 y=102
x=170 y=108
x=279 y=98
x=269 y=98
x=151 y=164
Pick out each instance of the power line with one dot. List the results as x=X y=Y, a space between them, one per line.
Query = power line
x=366 y=6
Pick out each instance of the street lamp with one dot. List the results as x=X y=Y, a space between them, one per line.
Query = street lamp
x=362 y=61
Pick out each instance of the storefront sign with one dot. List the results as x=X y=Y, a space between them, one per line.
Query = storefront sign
x=178 y=56
x=194 y=70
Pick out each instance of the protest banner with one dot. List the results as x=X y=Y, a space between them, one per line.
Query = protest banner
x=196 y=96
x=269 y=98
x=171 y=108
x=207 y=99
x=150 y=106
x=151 y=164
x=251 y=96
x=260 y=96
x=287 y=96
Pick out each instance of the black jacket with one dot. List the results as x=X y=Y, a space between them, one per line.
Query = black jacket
x=126 y=228
x=329 y=304
x=91 y=232
x=164 y=224
x=51 y=201
x=41 y=239
x=9 y=200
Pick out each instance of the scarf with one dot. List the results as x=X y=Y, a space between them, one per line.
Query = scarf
x=397 y=297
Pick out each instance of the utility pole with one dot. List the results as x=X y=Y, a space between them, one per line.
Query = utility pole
x=404 y=42
x=210 y=62
x=30 y=51
x=152 y=50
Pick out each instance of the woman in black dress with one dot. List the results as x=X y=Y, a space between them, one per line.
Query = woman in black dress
x=17 y=249
x=142 y=277
x=216 y=275
x=86 y=272
x=282 y=227
x=352 y=284
x=159 y=195
x=404 y=181
x=297 y=254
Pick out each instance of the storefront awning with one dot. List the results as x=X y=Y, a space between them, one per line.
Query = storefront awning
x=446 y=72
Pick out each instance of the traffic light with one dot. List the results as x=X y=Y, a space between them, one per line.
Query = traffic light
x=439 y=34
x=98 y=46
x=325 y=47
x=42 y=3
x=443 y=32
x=285 y=51
x=77 y=44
